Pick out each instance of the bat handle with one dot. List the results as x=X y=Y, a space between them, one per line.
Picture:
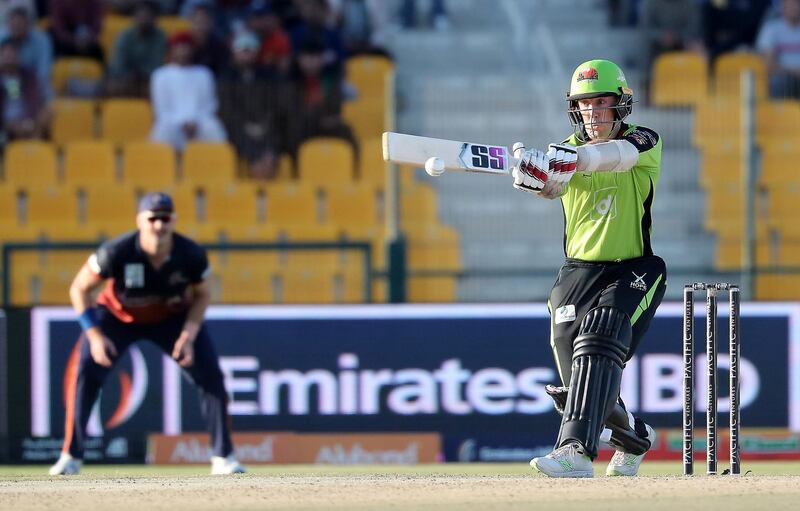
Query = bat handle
x=517 y=149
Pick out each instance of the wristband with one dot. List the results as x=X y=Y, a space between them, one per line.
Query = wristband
x=88 y=318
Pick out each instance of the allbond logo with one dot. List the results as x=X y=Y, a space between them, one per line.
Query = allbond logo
x=197 y=450
x=340 y=454
x=604 y=204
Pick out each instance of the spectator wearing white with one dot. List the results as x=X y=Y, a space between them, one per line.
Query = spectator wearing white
x=6 y=6
x=184 y=98
x=779 y=42
x=34 y=47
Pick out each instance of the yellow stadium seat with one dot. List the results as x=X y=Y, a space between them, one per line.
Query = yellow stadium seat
x=90 y=163
x=44 y=277
x=307 y=285
x=30 y=162
x=432 y=289
x=231 y=204
x=66 y=68
x=315 y=258
x=778 y=164
x=371 y=75
x=372 y=234
x=247 y=276
x=208 y=164
x=125 y=120
x=417 y=206
x=715 y=120
x=148 y=165
x=728 y=68
x=777 y=286
x=721 y=163
x=679 y=79
x=325 y=162
x=352 y=205
x=777 y=121
x=73 y=120
x=730 y=254
x=291 y=205
x=49 y=210
x=367 y=117
x=108 y=210
x=434 y=248
x=113 y=24
x=174 y=24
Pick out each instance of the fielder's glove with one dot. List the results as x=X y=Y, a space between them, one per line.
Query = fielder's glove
x=532 y=172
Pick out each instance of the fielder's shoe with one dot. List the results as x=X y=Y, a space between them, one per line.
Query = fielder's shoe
x=223 y=466
x=624 y=464
x=65 y=466
x=566 y=461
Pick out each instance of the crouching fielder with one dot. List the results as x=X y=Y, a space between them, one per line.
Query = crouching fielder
x=611 y=283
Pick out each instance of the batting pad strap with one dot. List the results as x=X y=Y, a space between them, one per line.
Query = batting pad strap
x=611 y=156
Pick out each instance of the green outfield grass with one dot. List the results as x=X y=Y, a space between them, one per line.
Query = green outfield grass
x=10 y=472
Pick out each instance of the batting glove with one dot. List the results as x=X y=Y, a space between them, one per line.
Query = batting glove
x=563 y=162
x=532 y=172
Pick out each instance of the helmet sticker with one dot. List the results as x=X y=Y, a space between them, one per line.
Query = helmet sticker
x=589 y=73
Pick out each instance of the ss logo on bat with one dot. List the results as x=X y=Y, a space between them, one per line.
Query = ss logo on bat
x=488 y=157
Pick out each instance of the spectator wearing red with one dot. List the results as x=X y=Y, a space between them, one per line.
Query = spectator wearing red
x=76 y=26
x=184 y=98
x=276 y=48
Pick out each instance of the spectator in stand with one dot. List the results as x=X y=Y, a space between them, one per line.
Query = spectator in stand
x=253 y=107
x=22 y=99
x=138 y=51
x=729 y=25
x=75 y=26
x=316 y=107
x=210 y=50
x=33 y=45
x=6 y=6
x=314 y=26
x=437 y=18
x=184 y=98
x=363 y=24
x=779 y=42
x=276 y=49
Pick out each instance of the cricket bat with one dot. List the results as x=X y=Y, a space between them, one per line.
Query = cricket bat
x=458 y=156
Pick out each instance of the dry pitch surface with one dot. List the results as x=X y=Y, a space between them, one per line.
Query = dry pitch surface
x=432 y=487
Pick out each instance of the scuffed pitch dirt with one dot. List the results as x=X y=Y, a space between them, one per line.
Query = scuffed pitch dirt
x=397 y=491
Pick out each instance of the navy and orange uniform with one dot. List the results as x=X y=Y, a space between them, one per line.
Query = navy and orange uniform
x=142 y=302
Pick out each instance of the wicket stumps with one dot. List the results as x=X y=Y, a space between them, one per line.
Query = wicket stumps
x=711 y=370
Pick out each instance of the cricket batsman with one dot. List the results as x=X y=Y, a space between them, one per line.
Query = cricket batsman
x=611 y=283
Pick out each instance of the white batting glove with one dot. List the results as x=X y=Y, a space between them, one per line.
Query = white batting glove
x=563 y=162
x=532 y=172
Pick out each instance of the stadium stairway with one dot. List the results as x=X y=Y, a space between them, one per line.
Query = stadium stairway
x=477 y=82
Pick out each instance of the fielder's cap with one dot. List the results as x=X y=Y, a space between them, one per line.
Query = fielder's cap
x=156 y=202
x=245 y=41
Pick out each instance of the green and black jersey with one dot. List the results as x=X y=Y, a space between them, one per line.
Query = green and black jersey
x=607 y=215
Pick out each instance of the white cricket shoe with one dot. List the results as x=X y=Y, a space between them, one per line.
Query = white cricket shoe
x=566 y=461
x=624 y=464
x=224 y=466
x=65 y=466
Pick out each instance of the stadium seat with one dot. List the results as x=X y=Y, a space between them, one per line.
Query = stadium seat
x=729 y=254
x=434 y=248
x=246 y=276
x=208 y=164
x=44 y=277
x=715 y=120
x=432 y=289
x=777 y=121
x=50 y=210
x=366 y=116
x=30 y=163
x=108 y=210
x=372 y=75
x=174 y=24
x=125 y=120
x=326 y=162
x=777 y=286
x=307 y=285
x=291 y=205
x=417 y=206
x=148 y=165
x=68 y=68
x=113 y=24
x=679 y=79
x=90 y=163
x=231 y=204
x=728 y=68
x=73 y=120
x=720 y=163
x=353 y=205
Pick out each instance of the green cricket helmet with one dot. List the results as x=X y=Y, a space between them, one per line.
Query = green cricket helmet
x=593 y=79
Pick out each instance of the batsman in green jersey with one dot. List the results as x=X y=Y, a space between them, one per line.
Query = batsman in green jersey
x=611 y=283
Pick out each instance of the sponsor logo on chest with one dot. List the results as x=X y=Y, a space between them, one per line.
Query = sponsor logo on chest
x=134 y=275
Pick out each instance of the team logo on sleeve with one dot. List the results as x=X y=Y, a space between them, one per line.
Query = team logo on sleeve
x=638 y=282
x=565 y=314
